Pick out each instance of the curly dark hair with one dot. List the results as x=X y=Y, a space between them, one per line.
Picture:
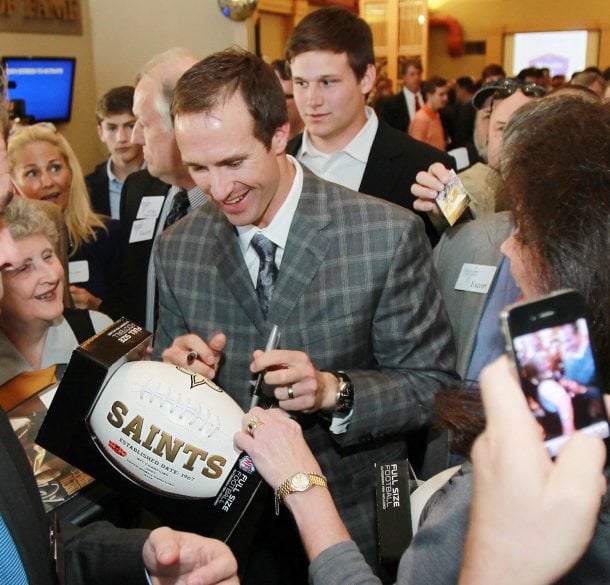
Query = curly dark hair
x=555 y=170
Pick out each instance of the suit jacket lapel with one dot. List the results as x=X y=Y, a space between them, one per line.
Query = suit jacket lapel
x=232 y=269
x=381 y=159
x=305 y=250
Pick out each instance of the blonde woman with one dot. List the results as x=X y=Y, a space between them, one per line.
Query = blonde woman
x=43 y=166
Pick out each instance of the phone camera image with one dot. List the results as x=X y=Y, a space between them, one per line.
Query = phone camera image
x=557 y=370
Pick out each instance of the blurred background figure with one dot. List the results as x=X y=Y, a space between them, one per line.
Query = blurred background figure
x=400 y=109
x=426 y=125
x=492 y=72
x=294 y=118
x=591 y=79
x=459 y=114
x=384 y=88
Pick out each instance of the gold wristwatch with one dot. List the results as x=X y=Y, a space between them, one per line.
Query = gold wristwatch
x=299 y=482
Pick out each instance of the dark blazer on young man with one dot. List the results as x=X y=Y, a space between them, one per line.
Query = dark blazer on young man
x=394 y=161
x=98 y=553
x=98 y=186
x=356 y=291
x=394 y=111
x=130 y=300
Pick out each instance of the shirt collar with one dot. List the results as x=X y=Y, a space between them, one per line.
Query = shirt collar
x=360 y=145
x=277 y=231
x=196 y=197
x=112 y=176
x=430 y=113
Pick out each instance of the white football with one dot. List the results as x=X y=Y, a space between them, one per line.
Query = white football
x=167 y=428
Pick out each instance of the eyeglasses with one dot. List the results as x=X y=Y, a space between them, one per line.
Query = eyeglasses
x=507 y=87
x=18 y=127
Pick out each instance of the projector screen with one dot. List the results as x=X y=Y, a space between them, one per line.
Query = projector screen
x=563 y=52
x=45 y=84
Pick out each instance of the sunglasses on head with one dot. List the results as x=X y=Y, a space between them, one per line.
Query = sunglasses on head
x=507 y=87
x=16 y=128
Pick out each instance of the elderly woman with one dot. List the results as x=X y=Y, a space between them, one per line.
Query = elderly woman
x=556 y=176
x=43 y=166
x=35 y=333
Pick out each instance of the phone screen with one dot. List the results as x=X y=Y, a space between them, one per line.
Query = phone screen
x=562 y=386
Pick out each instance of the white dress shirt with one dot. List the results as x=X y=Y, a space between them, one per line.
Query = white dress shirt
x=410 y=98
x=277 y=231
x=346 y=166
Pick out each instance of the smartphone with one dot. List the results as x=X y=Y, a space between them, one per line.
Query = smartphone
x=550 y=344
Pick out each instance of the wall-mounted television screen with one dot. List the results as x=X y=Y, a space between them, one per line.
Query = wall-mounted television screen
x=42 y=86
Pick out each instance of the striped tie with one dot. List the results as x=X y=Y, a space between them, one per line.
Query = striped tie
x=11 y=567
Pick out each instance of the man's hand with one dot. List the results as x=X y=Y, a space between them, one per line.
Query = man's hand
x=429 y=184
x=190 y=351
x=531 y=518
x=182 y=558
x=83 y=299
x=299 y=385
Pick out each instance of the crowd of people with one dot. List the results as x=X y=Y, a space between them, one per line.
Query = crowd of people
x=238 y=196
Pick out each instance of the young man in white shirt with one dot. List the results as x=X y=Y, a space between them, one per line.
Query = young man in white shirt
x=331 y=58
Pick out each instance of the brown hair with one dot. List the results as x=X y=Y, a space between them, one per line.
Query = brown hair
x=337 y=30
x=410 y=62
x=118 y=100
x=429 y=86
x=214 y=80
x=461 y=413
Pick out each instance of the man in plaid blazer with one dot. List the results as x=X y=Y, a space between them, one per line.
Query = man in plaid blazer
x=356 y=297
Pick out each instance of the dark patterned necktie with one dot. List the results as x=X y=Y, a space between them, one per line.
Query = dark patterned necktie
x=179 y=209
x=267 y=270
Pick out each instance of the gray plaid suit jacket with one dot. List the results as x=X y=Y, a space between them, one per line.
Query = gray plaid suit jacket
x=356 y=291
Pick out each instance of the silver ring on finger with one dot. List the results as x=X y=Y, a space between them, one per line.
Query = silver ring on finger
x=290 y=392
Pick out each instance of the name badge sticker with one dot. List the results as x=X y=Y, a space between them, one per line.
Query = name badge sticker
x=150 y=207
x=142 y=230
x=78 y=271
x=475 y=278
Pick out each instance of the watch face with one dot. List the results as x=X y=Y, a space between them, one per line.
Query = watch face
x=300 y=482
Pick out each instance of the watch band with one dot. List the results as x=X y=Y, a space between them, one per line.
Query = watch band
x=299 y=482
x=345 y=394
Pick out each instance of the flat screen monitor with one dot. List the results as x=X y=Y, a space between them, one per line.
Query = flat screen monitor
x=44 y=86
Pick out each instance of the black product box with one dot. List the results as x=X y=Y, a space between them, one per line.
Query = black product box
x=393 y=509
x=66 y=433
